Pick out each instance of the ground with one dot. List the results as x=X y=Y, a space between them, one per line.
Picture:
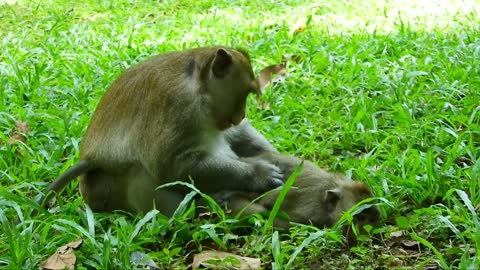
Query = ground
x=386 y=92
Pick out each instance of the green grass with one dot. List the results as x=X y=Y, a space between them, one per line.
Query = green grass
x=388 y=93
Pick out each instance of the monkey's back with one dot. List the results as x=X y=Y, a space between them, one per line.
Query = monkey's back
x=311 y=174
x=154 y=93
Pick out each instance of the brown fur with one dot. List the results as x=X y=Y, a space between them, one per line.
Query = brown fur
x=318 y=197
x=163 y=120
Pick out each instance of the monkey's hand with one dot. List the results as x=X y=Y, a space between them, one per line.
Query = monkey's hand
x=220 y=173
x=222 y=197
x=266 y=176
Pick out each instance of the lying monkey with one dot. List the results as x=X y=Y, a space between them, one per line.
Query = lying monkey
x=166 y=120
x=318 y=197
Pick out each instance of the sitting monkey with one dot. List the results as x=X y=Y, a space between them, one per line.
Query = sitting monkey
x=163 y=120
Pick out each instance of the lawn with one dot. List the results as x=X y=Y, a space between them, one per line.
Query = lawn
x=387 y=92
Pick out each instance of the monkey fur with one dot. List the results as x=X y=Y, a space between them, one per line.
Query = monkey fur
x=167 y=119
x=318 y=197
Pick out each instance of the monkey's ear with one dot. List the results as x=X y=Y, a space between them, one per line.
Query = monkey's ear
x=332 y=197
x=221 y=62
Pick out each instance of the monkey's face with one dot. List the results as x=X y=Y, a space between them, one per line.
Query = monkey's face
x=230 y=81
x=353 y=194
x=334 y=202
x=369 y=216
x=310 y=205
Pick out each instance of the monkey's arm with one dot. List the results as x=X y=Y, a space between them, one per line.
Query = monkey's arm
x=246 y=141
x=226 y=172
x=238 y=201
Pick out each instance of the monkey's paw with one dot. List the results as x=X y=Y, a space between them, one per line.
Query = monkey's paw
x=267 y=176
x=277 y=176
x=221 y=197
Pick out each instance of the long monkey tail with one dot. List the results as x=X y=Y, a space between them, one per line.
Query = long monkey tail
x=63 y=180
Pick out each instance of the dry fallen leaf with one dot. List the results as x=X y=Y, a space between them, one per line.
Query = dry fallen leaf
x=21 y=126
x=212 y=258
x=18 y=133
x=269 y=73
x=14 y=137
x=410 y=243
x=397 y=233
x=64 y=257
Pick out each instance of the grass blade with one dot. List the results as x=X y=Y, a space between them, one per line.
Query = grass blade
x=276 y=252
x=278 y=203
x=312 y=237
x=149 y=216
x=440 y=257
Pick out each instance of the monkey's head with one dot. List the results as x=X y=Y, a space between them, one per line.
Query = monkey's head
x=348 y=195
x=229 y=81
x=326 y=208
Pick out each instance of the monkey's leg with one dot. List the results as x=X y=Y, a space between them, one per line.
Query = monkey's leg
x=246 y=141
x=222 y=171
x=143 y=194
x=132 y=190
x=242 y=202
x=238 y=201
x=103 y=191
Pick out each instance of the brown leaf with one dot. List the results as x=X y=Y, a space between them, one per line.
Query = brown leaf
x=76 y=243
x=21 y=126
x=14 y=137
x=64 y=257
x=18 y=133
x=268 y=74
x=212 y=258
